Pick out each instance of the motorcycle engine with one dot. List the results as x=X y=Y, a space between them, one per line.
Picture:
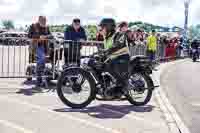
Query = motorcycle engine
x=109 y=80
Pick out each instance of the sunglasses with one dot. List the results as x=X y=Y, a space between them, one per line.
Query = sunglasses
x=76 y=21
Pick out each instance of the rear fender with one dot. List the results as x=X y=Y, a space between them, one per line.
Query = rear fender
x=140 y=65
x=141 y=69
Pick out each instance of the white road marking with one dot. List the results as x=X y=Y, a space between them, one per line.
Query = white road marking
x=196 y=104
x=85 y=122
x=14 y=126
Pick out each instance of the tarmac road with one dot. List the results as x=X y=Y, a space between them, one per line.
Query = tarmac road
x=25 y=112
x=181 y=82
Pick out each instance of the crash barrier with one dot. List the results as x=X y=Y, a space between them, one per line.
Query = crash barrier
x=18 y=56
x=162 y=53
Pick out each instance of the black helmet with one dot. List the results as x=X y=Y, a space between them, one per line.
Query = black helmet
x=108 y=23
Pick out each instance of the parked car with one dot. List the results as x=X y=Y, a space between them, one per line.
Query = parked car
x=1 y=31
x=58 y=35
x=14 y=38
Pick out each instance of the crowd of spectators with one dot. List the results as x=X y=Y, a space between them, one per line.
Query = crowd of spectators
x=167 y=46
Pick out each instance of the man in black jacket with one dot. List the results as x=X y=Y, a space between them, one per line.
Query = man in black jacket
x=74 y=34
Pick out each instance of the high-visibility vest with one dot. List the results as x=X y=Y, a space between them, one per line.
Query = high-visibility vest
x=152 y=43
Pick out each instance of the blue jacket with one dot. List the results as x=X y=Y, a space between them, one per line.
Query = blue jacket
x=71 y=34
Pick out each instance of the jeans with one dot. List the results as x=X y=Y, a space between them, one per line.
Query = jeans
x=40 y=56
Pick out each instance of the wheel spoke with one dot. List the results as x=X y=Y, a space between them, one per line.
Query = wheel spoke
x=76 y=97
x=134 y=90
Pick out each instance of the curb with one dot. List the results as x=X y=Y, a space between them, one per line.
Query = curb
x=174 y=122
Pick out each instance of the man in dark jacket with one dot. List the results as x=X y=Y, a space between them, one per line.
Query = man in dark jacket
x=73 y=35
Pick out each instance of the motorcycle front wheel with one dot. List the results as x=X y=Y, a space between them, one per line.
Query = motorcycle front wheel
x=140 y=88
x=76 y=88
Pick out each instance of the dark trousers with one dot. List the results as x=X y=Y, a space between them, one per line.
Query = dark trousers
x=151 y=54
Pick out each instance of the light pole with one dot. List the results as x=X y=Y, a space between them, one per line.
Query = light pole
x=185 y=35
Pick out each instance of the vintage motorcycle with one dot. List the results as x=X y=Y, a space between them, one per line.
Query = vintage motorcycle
x=107 y=78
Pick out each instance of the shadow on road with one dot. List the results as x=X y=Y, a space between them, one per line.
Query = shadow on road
x=198 y=61
x=33 y=90
x=32 y=82
x=105 y=111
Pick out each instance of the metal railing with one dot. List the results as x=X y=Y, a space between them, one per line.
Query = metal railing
x=17 y=55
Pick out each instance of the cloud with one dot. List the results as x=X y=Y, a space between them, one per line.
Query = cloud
x=163 y=12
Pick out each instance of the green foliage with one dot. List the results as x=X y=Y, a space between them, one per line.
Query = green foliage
x=194 y=31
x=8 y=24
x=58 y=28
x=148 y=27
x=91 y=31
x=135 y=23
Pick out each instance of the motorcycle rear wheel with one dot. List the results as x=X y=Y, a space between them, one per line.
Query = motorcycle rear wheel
x=149 y=88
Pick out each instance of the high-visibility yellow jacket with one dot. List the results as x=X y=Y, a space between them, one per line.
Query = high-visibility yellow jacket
x=152 y=43
x=116 y=45
x=108 y=43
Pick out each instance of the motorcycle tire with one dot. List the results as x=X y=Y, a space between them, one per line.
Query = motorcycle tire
x=86 y=76
x=150 y=85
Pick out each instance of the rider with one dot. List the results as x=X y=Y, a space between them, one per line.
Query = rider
x=114 y=45
x=114 y=42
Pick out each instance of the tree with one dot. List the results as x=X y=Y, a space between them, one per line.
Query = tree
x=8 y=24
x=194 y=31
x=91 y=31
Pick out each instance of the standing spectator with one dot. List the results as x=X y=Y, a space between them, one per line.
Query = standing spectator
x=123 y=27
x=130 y=37
x=74 y=33
x=179 y=47
x=173 y=48
x=163 y=44
x=100 y=37
x=122 y=33
x=168 y=48
x=131 y=42
x=39 y=33
x=152 y=45
x=140 y=43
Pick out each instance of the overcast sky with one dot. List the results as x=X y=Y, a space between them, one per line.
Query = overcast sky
x=162 y=12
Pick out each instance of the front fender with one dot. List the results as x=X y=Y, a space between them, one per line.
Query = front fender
x=81 y=70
